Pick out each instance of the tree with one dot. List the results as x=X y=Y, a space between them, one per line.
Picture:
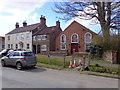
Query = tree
x=106 y=13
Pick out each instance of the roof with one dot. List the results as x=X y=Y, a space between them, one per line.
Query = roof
x=80 y=25
x=24 y=29
x=2 y=37
x=47 y=30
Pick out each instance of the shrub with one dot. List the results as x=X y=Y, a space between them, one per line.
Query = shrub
x=103 y=69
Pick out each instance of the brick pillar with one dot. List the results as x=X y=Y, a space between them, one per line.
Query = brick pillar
x=114 y=55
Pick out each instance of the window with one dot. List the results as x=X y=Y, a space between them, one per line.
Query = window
x=8 y=37
x=87 y=46
x=8 y=45
x=11 y=54
x=28 y=46
x=74 y=38
x=11 y=46
x=44 y=48
x=87 y=40
x=88 y=37
x=16 y=46
x=16 y=54
x=63 y=42
x=27 y=54
x=63 y=38
x=27 y=35
x=41 y=37
x=3 y=46
x=17 y=36
x=34 y=38
x=63 y=46
x=22 y=36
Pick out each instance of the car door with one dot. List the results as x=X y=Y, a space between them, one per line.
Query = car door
x=8 y=58
x=15 y=58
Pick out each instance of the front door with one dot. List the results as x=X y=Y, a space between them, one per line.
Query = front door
x=34 y=49
x=38 y=48
x=74 y=47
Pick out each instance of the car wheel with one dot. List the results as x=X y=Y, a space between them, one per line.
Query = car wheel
x=33 y=66
x=3 y=63
x=19 y=66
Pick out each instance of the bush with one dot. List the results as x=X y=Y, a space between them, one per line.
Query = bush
x=113 y=44
x=103 y=69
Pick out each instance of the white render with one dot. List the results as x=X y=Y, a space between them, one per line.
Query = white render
x=13 y=40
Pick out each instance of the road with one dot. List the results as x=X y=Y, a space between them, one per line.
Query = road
x=40 y=77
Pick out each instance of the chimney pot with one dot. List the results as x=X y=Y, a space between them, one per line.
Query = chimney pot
x=42 y=20
x=58 y=23
x=24 y=24
x=17 y=25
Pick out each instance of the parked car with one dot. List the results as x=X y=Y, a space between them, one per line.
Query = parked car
x=4 y=52
x=19 y=59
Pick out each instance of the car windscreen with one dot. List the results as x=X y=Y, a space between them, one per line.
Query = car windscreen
x=27 y=54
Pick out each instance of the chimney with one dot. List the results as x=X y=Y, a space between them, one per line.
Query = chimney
x=42 y=20
x=17 y=25
x=24 y=24
x=58 y=23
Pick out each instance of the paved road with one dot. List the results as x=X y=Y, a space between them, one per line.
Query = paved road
x=49 y=78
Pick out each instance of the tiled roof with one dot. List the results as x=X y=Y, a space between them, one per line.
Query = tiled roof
x=2 y=37
x=47 y=30
x=24 y=29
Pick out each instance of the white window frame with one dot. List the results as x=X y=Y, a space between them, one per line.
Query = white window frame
x=43 y=49
x=17 y=36
x=77 y=38
x=61 y=46
x=8 y=38
x=85 y=37
x=27 y=35
x=61 y=38
x=34 y=38
x=41 y=37
x=16 y=46
x=22 y=36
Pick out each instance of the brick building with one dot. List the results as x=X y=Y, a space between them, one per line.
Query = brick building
x=44 y=41
x=75 y=37
x=2 y=43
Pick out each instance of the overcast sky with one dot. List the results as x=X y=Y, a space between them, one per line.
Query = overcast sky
x=12 y=11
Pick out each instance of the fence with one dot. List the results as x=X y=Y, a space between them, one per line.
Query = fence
x=61 y=59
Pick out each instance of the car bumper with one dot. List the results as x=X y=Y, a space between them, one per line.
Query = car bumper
x=24 y=64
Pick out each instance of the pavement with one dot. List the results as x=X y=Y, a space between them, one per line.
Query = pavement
x=40 y=77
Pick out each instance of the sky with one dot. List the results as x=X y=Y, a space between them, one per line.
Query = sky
x=12 y=11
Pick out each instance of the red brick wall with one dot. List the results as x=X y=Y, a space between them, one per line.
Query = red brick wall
x=74 y=27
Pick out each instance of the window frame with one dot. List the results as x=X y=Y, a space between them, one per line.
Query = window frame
x=8 y=38
x=44 y=49
x=61 y=46
x=27 y=35
x=40 y=37
x=90 y=37
x=61 y=38
x=17 y=36
x=22 y=36
x=77 y=38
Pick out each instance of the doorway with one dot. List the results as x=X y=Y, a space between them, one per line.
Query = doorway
x=38 y=49
x=74 y=47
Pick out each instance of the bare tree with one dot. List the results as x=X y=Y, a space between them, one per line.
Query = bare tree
x=106 y=13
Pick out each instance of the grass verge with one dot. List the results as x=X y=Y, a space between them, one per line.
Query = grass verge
x=57 y=63
x=50 y=66
x=100 y=74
